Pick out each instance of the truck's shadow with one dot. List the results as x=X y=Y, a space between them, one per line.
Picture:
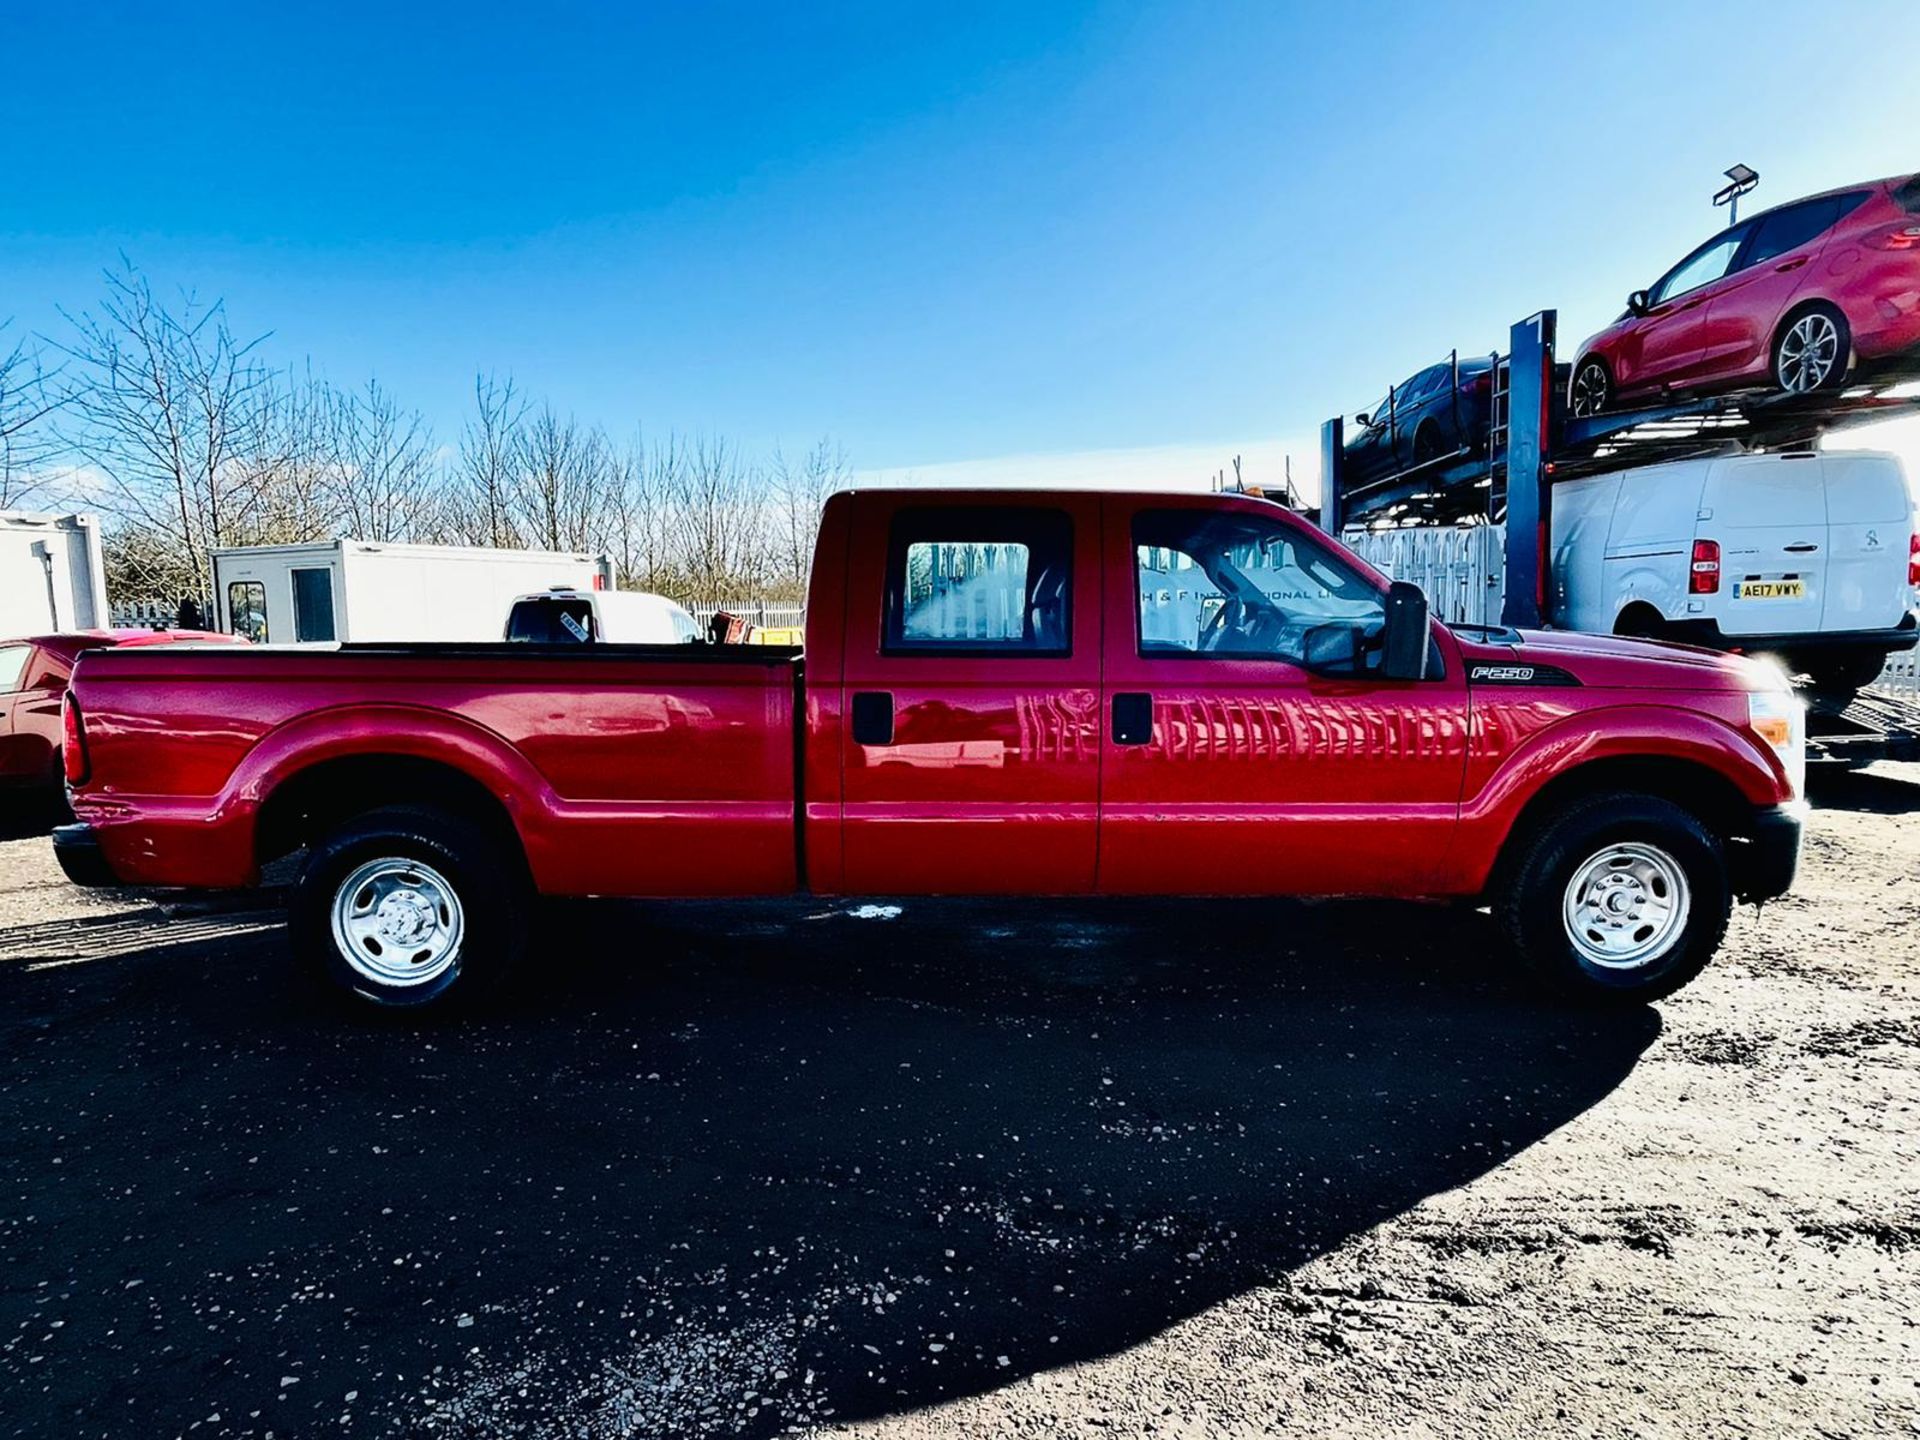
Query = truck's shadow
x=733 y=1167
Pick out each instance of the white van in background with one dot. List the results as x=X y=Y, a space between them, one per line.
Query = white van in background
x=1813 y=559
x=561 y=616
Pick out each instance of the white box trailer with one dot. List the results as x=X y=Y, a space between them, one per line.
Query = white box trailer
x=51 y=575
x=366 y=590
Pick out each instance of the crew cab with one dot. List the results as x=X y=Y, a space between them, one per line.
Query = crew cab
x=1047 y=693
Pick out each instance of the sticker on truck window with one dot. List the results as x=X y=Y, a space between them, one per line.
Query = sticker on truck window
x=1770 y=590
x=574 y=627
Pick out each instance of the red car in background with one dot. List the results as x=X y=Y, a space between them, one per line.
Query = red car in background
x=1796 y=297
x=33 y=676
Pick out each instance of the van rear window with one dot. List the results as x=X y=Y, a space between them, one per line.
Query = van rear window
x=543 y=621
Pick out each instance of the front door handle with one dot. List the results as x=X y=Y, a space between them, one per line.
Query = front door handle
x=1132 y=718
x=872 y=717
x=1805 y=547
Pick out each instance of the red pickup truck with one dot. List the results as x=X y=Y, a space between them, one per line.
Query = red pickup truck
x=1000 y=693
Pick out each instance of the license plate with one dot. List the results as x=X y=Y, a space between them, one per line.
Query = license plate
x=1770 y=590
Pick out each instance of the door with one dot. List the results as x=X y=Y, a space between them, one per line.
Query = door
x=1869 y=529
x=313 y=604
x=1235 y=766
x=971 y=753
x=1768 y=274
x=1672 y=335
x=1769 y=515
x=18 y=747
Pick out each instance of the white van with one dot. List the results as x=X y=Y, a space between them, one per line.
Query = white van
x=606 y=617
x=1813 y=559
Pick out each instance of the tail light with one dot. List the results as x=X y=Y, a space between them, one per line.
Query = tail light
x=1913 y=558
x=73 y=752
x=1896 y=237
x=1705 y=579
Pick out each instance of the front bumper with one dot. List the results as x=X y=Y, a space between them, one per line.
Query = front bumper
x=77 y=848
x=1764 y=862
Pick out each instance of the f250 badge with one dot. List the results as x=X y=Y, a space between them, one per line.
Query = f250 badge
x=1503 y=674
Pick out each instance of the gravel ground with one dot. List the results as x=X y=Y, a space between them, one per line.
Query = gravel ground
x=968 y=1168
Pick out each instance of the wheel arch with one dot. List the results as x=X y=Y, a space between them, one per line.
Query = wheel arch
x=1693 y=784
x=1641 y=619
x=309 y=801
x=1794 y=311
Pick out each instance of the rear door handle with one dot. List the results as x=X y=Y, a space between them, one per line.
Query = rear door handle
x=1132 y=718
x=1792 y=264
x=1805 y=547
x=872 y=717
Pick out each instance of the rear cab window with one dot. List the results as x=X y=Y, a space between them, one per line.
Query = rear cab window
x=551 y=620
x=979 y=580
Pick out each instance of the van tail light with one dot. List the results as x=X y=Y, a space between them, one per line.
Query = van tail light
x=1913 y=558
x=1896 y=237
x=73 y=750
x=1705 y=579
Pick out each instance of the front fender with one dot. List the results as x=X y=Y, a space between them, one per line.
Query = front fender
x=1636 y=731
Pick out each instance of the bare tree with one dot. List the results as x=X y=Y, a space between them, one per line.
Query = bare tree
x=486 y=469
x=797 y=493
x=27 y=444
x=162 y=401
x=717 y=521
x=382 y=467
x=560 y=483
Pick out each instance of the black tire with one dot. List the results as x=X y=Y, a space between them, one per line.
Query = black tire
x=490 y=893
x=1791 y=331
x=1842 y=676
x=1591 y=392
x=1640 y=622
x=1529 y=901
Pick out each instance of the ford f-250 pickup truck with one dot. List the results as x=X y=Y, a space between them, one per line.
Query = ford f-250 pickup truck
x=1000 y=693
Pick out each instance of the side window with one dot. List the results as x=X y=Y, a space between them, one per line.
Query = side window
x=313 y=604
x=1237 y=584
x=1424 y=386
x=13 y=664
x=1703 y=267
x=979 y=580
x=247 y=610
x=1790 y=228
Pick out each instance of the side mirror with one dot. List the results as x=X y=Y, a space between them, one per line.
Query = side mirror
x=1639 y=302
x=1363 y=418
x=1408 y=634
x=1331 y=649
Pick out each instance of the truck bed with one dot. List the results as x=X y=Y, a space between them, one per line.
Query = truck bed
x=630 y=770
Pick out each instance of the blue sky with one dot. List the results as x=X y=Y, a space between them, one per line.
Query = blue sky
x=1125 y=238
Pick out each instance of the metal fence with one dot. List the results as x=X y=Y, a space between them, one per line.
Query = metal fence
x=156 y=614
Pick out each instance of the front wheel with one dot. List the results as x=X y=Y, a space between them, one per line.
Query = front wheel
x=1617 y=898
x=407 y=907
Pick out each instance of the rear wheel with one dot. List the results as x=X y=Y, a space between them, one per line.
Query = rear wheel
x=1617 y=898
x=1426 y=444
x=406 y=907
x=1841 y=677
x=1592 y=391
x=1812 y=351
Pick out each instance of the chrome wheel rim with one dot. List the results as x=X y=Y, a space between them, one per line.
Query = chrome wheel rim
x=1589 y=390
x=1808 y=353
x=1626 y=906
x=398 y=922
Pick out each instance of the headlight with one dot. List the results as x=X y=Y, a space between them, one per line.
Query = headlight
x=1781 y=721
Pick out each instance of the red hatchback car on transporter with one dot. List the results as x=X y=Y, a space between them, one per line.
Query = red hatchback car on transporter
x=1796 y=297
